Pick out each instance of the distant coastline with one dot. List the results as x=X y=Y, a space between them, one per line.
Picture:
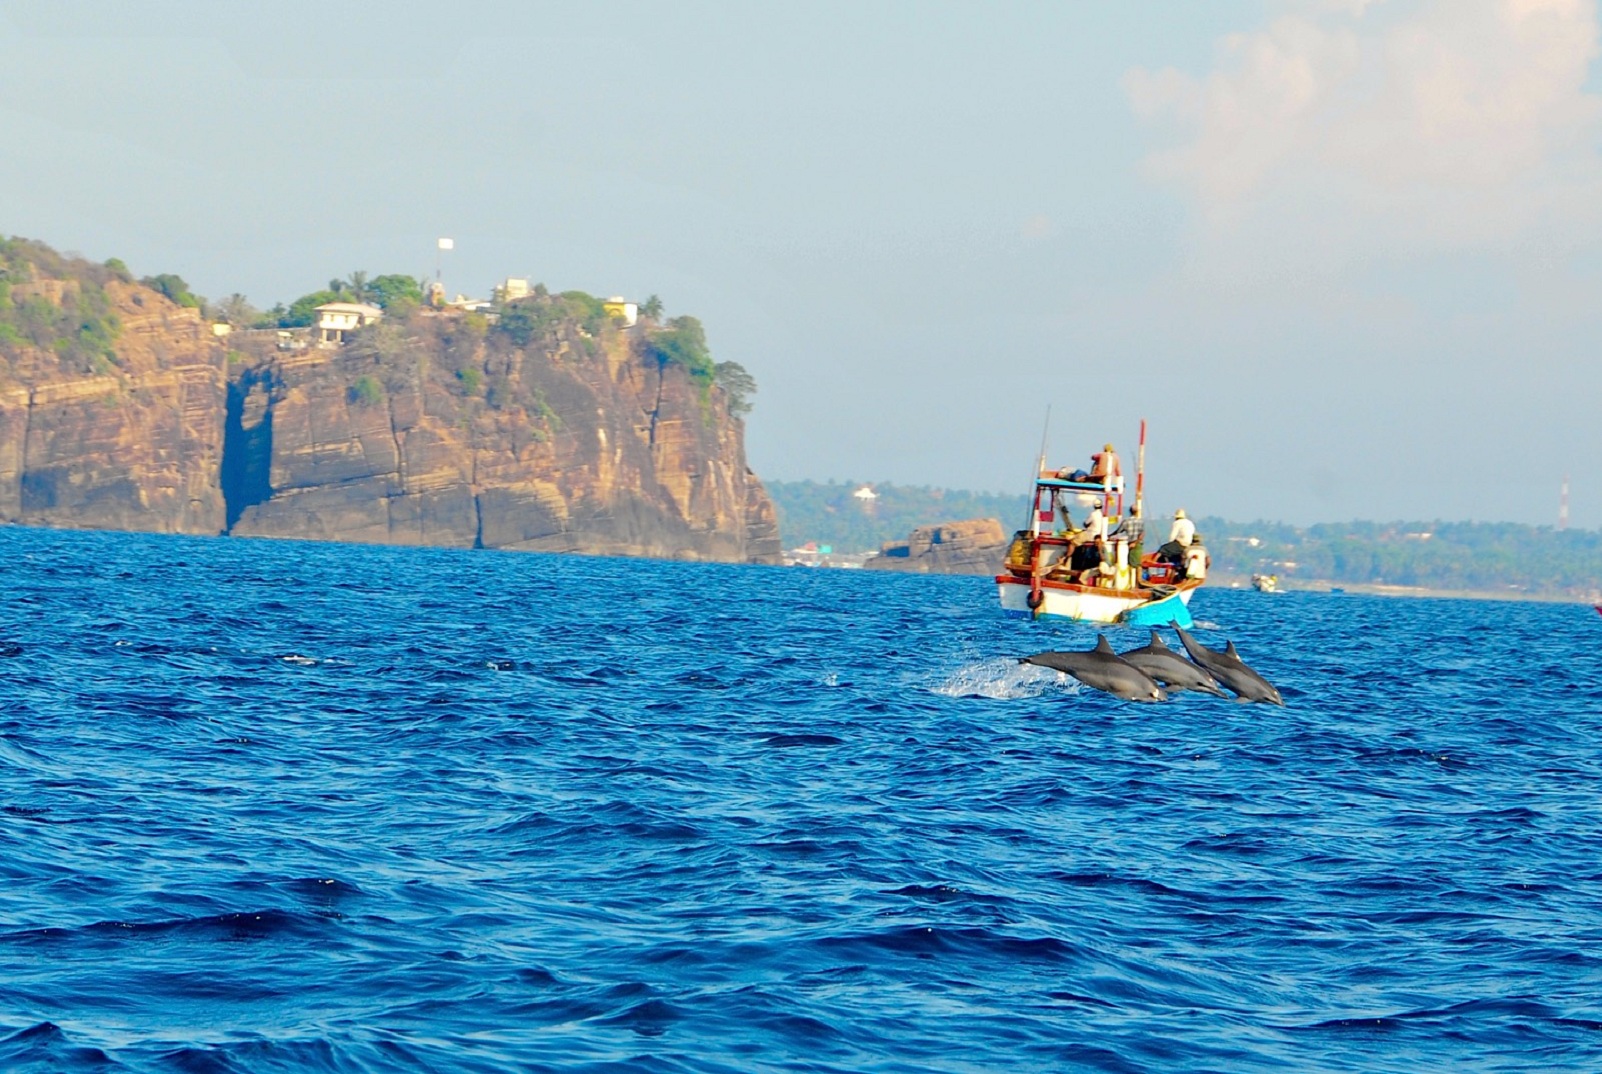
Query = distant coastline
x=1468 y=560
x=1360 y=589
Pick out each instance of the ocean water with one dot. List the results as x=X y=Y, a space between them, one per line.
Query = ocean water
x=301 y=807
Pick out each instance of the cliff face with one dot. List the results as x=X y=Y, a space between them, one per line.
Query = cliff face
x=591 y=448
x=132 y=443
x=120 y=410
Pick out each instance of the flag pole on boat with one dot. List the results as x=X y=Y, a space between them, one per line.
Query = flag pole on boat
x=1140 y=473
x=1037 y=599
x=1040 y=468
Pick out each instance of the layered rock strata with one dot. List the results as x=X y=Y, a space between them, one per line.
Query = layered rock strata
x=596 y=450
x=136 y=446
x=433 y=432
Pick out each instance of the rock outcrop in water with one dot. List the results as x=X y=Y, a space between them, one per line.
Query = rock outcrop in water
x=975 y=546
x=120 y=410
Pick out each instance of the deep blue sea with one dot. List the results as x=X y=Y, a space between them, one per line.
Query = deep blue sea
x=272 y=806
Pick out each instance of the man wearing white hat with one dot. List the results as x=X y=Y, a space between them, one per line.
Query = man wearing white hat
x=1180 y=535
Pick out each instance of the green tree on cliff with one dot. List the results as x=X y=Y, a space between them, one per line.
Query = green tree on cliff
x=520 y=322
x=651 y=308
x=587 y=310
x=737 y=384
x=367 y=391
x=395 y=294
x=356 y=287
x=683 y=343
x=174 y=287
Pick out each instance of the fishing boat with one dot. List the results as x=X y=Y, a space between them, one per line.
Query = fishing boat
x=1265 y=583
x=1039 y=580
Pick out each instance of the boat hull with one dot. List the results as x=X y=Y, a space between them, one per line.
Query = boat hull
x=1085 y=604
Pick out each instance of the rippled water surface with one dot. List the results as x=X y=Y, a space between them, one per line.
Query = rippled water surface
x=294 y=807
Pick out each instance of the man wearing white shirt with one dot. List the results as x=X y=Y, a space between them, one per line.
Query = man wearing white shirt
x=1180 y=536
x=1096 y=525
x=1183 y=531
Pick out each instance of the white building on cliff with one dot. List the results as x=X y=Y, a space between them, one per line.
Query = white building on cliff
x=335 y=319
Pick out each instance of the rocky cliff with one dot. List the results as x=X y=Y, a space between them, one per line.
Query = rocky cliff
x=120 y=410
x=111 y=401
x=976 y=546
x=446 y=434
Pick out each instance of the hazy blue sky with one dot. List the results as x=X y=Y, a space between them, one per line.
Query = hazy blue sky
x=1345 y=255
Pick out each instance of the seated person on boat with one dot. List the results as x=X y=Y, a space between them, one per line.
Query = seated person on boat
x=1088 y=565
x=1180 y=536
x=1095 y=528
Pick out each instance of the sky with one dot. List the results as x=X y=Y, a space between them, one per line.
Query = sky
x=1344 y=256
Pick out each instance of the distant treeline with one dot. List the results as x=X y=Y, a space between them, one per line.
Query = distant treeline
x=829 y=513
x=1479 y=556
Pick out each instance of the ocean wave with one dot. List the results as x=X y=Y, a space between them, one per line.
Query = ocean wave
x=303 y=807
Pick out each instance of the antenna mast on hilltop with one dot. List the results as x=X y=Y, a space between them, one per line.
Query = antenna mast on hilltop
x=439 y=256
x=1563 y=505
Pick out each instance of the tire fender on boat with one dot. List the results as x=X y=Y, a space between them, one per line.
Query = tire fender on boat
x=1035 y=599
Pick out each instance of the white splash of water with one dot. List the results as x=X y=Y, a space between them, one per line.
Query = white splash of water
x=1003 y=678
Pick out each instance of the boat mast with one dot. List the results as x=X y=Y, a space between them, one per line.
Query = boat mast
x=1034 y=482
x=1140 y=473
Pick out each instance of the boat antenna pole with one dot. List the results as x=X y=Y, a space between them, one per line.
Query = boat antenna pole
x=1034 y=485
x=1044 y=431
x=1140 y=473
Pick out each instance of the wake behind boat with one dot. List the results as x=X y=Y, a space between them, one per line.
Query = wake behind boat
x=1099 y=572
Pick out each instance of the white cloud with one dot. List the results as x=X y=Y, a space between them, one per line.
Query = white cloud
x=1445 y=124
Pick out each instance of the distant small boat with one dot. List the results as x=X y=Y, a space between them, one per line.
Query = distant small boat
x=1598 y=608
x=1336 y=589
x=1265 y=583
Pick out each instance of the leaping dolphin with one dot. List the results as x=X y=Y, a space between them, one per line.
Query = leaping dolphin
x=1103 y=669
x=1171 y=669
x=1228 y=668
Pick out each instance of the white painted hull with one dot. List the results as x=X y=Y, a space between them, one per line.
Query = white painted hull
x=1092 y=606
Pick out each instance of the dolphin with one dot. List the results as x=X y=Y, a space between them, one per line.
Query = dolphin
x=1102 y=669
x=1171 y=669
x=1228 y=668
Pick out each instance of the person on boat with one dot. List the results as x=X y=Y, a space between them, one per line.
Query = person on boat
x=1095 y=529
x=1101 y=574
x=1180 y=536
x=1104 y=466
x=1196 y=561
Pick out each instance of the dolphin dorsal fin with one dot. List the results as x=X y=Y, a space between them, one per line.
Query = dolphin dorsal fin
x=1102 y=646
x=1229 y=650
x=1157 y=641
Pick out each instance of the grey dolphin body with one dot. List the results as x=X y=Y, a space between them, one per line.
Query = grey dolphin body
x=1171 y=669
x=1102 y=669
x=1231 y=670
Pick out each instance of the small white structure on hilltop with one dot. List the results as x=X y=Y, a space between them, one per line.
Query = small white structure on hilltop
x=627 y=312
x=334 y=319
x=513 y=288
x=865 y=496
